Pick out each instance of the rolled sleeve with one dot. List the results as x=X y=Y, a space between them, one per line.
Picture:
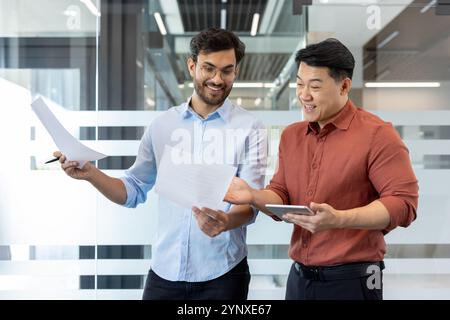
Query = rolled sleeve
x=402 y=211
x=391 y=174
x=141 y=176
x=131 y=193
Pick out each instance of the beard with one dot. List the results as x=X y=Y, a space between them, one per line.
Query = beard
x=209 y=97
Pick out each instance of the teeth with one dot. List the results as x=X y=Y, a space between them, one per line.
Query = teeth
x=215 y=89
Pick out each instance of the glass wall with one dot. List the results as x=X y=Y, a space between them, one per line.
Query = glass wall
x=107 y=69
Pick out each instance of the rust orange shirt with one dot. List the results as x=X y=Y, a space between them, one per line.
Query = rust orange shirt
x=355 y=159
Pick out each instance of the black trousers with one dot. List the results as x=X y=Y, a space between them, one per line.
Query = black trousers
x=233 y=285
x=358 y=288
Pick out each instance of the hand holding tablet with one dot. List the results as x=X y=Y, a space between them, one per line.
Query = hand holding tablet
x=280 y=210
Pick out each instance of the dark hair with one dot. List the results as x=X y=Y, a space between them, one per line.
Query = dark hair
x=215 y=39
x=330 y=53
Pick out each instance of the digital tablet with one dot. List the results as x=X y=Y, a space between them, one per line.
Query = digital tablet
x=279 y=210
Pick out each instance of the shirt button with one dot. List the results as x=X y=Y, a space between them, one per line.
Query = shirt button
x=314 y=166
x=310 y=193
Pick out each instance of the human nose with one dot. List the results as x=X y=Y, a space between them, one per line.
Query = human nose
x=218 y=77
x=304 y=94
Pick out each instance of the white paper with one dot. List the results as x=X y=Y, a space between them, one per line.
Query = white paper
x=73 y=149
x=188 y=185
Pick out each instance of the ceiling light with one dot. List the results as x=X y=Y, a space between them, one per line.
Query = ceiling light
x=223 y=19
x=160 y=23
x=255 y=22
x=403 y=84
x=388 y=39
x=428 y=6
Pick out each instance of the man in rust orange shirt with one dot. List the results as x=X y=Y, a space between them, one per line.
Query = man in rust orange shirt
x=351 y=168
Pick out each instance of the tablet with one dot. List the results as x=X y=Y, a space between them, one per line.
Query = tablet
x=279 y=210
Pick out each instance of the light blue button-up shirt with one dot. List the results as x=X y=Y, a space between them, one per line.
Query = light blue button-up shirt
x=182 y=252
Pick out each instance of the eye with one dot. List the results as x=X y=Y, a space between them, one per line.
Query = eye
x=209 y=69
x=315 y=88
x=228 y=72
x=301 y=85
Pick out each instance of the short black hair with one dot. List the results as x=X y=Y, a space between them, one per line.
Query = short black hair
x=216 y=39
x=330 y=53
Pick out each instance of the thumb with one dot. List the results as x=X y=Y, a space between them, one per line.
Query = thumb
x=316 y=206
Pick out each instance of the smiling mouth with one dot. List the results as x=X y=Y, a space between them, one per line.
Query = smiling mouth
x=214 y=88
x=309 y=107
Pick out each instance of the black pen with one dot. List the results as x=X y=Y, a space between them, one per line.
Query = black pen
x=53 y=160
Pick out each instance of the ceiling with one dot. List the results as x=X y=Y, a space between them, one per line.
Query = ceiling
x=419 y=49
x=265 y=56
x=198 y=15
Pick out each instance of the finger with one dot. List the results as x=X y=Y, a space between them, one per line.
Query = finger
x=317 y=206
x=297 y=218
x=206 y=220
x=70 y=171
x=228 y=196
x=202 y=218
x=70 y=164
x=57 y=154
x=62 y=159
x=217 y=215
x=314 y=206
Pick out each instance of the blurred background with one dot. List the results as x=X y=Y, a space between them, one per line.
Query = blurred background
x=109 y=67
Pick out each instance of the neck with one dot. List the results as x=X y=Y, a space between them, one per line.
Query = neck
x=201 y=108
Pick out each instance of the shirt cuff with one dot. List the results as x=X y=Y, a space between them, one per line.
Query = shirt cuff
x=131 y=194
x=283 y=197
x=280 y=193
x=400 y=213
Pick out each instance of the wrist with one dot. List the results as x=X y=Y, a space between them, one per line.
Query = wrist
x=90 y=172
x=342 y=217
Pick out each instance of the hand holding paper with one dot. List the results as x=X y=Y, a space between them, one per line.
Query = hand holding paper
x=69 y=146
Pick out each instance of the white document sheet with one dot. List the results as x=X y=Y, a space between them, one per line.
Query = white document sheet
x=73 y=149
x=188 y=185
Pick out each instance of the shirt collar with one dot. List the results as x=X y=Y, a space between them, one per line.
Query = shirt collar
x=224 y=111
x=341 y=120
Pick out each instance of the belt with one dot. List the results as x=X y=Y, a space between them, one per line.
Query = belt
x=339 y=272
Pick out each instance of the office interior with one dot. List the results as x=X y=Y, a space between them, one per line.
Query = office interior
x=109 y=67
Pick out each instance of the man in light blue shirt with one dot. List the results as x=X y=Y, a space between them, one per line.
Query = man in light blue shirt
x=199 y=253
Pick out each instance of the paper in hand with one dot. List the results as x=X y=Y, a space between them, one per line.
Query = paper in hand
x=73 y=149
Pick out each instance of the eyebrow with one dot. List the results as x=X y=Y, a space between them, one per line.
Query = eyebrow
x=319 y=80
x=212 y=65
